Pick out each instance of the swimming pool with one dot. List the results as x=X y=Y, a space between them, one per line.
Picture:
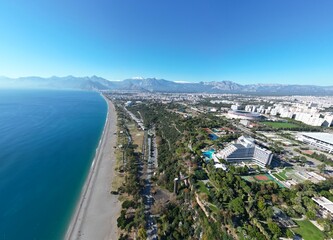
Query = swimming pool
x=213 y=136
x=208 y=154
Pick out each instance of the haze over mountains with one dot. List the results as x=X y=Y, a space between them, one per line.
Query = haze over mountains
x=161 y=85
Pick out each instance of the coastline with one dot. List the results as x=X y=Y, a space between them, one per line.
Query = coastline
x=96 y=212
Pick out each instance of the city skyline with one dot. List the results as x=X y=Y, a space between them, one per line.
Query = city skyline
x=262 y=42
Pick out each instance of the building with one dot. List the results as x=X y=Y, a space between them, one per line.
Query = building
x=236 y=107
x=286 y=114
x=128 y=103
x=322 y=141
x=246 y=150
x=328 y=121
x=326 y=206
x=310 y=119
x=245 y=122
x=239 y=114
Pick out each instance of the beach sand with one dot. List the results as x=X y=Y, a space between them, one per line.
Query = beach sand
x=96 y=213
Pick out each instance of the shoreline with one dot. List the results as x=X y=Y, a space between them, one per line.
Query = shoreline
x=96 y=211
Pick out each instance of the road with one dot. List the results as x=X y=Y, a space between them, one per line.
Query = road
x=243 y=129
x=137 y=120
x=148 y=200
x=149 y=151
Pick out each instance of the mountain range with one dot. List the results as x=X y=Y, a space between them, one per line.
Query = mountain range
x=161 y=85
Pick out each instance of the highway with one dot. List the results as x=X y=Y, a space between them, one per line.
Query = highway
x=149 y=153
x=137 y=120
x=147 y=197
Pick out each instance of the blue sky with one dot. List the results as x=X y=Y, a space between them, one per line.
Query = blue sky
x=257 y=41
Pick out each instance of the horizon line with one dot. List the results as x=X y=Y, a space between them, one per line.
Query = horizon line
x=175 y=81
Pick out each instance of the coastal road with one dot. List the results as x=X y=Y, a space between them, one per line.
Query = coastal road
x=97 y=210
x=148 y=200
x=138 y=121
x=243 y=129
x=149 y=148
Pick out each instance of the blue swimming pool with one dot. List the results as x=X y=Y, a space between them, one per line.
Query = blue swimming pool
x=213 y=136
x=209 y=154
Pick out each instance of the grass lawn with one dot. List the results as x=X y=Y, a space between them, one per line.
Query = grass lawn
x=254 y=178
x=249 y=178
x=119 y=179
x=203 y=188
x=282 y=125
x=283 y=174
x=137 y=135
x=278 y=177
x=214 y=208
x=241 y=236
x=308 y=231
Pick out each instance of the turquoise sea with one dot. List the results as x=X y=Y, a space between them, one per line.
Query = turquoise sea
x=47 y=142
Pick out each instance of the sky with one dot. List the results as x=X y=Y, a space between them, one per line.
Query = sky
x=248 y=41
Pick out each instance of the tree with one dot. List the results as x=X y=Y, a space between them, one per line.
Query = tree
x=274 y=228
x=261 y=228
x=200 y=174
x=303 y=159
x=322 y=167
x=128 y=203
x=275 y=198
x=122 y=221
x=237 y=205
x=261 y=204
x=289 y=233
x=310 y=215
x=142 y=235
x=267 y=212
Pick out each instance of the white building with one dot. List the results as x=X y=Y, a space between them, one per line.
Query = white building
x=286 y=114
x=328 y=121
x=128 y=103
x=246 y=150
x=274 y=112
x=325 y=205
x=239 y=114
x=236 y=107
x=245 y=122
x=248 y=108
x=322 y=141
x=218 y=164
x=314 y=119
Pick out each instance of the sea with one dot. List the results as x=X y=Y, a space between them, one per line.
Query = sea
x=48 y=140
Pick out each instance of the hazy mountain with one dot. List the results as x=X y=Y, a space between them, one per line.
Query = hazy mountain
x=70 y=82
x=161 y=85
x=224 y=86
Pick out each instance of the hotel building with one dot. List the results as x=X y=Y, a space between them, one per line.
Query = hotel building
x=246 y=150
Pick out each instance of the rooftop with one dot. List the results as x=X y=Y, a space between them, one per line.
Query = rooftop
x=324 y=202
x=238 y=146
x=325 y=137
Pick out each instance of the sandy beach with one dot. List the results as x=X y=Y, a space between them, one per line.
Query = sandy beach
x=96 y=213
